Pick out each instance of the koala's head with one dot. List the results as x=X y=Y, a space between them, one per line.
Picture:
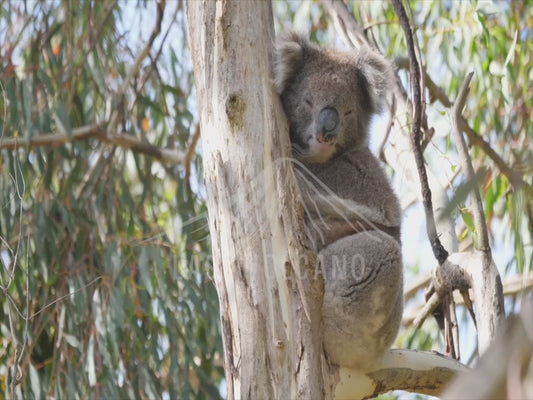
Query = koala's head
x=328 y=95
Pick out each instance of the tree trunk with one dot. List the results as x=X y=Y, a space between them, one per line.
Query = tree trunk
x=270 y=313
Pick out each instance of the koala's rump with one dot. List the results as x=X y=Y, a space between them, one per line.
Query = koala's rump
x=363 y=297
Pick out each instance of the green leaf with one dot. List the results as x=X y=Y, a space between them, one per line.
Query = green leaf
x=469 y=220
x=95 y=69
x=61 y=118
x=144 y=269
x=511 y=49
x=72 y=341
x=35 y=383
x=27 y=101
x=89 y=363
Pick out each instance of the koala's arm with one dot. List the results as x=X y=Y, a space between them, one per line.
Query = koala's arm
x=350 y=194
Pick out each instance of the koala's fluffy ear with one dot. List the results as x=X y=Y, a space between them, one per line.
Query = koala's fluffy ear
x=288 y=58
x=378 y=73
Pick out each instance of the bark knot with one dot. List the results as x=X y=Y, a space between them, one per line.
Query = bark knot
x=235 y=107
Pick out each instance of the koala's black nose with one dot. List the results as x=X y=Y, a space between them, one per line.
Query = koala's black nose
x=329 y=121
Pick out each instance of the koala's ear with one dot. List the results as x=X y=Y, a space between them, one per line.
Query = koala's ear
x=288 y=58
x=378 y=73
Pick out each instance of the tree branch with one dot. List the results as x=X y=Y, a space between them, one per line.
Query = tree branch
x=485 y=278
x=483 y=274
x=429 y=306
x=410 y=370
x=118 y=139
x=438 y=250
x=51 y=139
x=466 y=165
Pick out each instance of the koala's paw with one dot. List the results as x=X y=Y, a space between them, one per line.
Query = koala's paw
x=363 y=299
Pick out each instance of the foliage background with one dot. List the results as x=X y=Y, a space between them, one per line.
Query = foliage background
x=105 y=284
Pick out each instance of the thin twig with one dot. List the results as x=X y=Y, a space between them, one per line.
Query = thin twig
x=414 y=285
x=130 y=142
x=427 y=309
x=134 y=70
x=392 y=113
x=454 y=327
x=448 y=337
x=191 y=149
x=465 y=295
x=435 y=91
x=438 y=250
x=352 y=33
x=422 y=85
x=153 y=64
x=466 y=164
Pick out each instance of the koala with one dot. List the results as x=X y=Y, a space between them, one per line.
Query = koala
x=353 y=215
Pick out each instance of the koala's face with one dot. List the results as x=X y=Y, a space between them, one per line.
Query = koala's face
x=328 y=106
x=329 y=96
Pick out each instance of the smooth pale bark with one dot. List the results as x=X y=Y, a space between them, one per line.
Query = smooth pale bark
x=488 y=293
x=270 y=314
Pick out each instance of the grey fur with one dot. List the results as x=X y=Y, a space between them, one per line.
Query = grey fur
x=354 y=217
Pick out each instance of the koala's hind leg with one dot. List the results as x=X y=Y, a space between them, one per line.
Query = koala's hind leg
x=363 y=299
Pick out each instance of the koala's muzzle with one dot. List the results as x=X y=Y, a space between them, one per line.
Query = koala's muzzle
x=328 y=124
